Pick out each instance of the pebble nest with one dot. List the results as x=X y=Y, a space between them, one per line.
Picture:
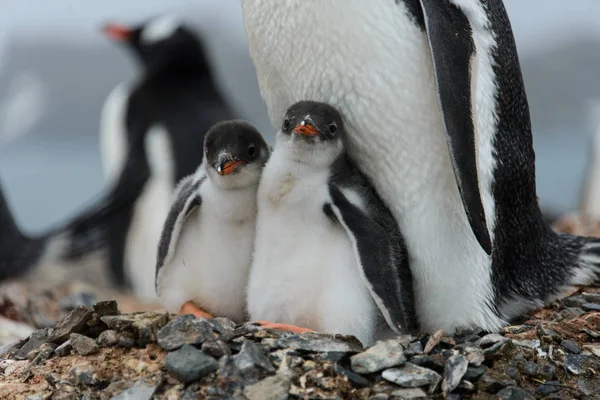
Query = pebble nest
x=96 y=352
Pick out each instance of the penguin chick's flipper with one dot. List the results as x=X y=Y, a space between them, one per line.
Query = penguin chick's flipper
x=383 y=268
x=190 y=308
x=281 y=327
x=453 y=52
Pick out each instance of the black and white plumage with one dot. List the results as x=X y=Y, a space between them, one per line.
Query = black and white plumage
x=205 y=250
x=438 y=120
x=152 y=133
x=328 y=254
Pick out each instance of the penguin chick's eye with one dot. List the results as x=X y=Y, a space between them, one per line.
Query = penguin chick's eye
x=333 y=128
x=251 y=150
x=286 y=123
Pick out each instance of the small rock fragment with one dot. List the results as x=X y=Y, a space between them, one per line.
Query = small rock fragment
x=108 y=338
x=355 y=379
x=318 y=343
x=433 y=341
x=382 y=355
x=548 y=388
x=548 y=333
x=489 y=384
x=144 y=324
x=511 y=372
x=571 y=345
x=189 y=364
x=74 y=322
x=410 y=375
x=36 y=339
x=250 y=356
x=85 y=375
x=576 y=363
x=414 y=349
x=107 y=307
x=409 y=394
x=593 y=348
x=475 y=357
x=64 y=349
x=216 y=348
x=83 y=345
x=184 y=329
x=435 y=362
x=491 y=339
x=514 y=393
x=530 y=368
x=529 y=344
x=591 y=307
x=44 y=353
x=271 y=388
x=126 y=340
x=140 y=391
x=454 y=370
x=466 y=386
x=475 y=372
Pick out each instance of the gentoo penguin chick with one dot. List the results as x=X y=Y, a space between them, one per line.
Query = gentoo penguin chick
x=437 y=118
x=206 y=245
x=152 y=133
x=328 y=254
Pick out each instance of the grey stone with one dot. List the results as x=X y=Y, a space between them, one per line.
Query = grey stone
x=432 y=362
x=571 y=345
x=222 y=325
x=491 y=339
x=250 y=356
x=318 y=343
x=144 y=325
x=126 y=340
x=548 y=388
x=433 y=341
x=85 y=375
x=414 y=349
x=514 y=393
x=454 y=370
x=74 y=322
x=466 y=386
x=189 y=364
x=380 y=396
x=355 y=379
x=410 y=376
x=511 y=372
x=574 y=363
x=574 y=301
x=108 y=338
x=64 y=349
x=338 y=357
x=409 y=394
x=591 y=307
x=140 y=391
x=589 y=387
x=44 y=353
x=83 y=345
x=548 y=333
x=36 y=339
x=475 y=357
x=107 y=307
x=271 y=388
x=475 y=372
x=184 y=329
x=35 y=397
x=548 y=372
x=216 y=348
x=489 y=384
x=230 y=377
x=591 y=297
x=382 y=355
x=530 y=368
x=590 y=333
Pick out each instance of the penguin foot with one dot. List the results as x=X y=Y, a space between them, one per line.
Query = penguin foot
x=190 y=308
x=282 y=327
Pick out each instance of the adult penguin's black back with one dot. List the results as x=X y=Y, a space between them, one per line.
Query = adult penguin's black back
x=155 y=131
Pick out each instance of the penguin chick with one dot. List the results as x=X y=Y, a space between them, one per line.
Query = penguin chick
x=329 y=255
x=205 y=249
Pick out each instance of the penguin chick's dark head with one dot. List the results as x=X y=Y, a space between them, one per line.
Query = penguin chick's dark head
x=312 y=128
x=235 y=153
x=160 y=42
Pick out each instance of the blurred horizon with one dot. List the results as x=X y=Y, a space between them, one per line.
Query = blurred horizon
x=56 y=69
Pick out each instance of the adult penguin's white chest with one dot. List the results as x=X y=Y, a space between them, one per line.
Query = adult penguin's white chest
x=370 y=59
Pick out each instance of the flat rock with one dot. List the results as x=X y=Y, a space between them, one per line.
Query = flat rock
x=144 y=325
x=591 y=307
x=409 y=394
x=514 y=393
x=36 y=339
x=184 y=329
x=274 y=387
x=251 y=356
x=473 y=373
x=571 y=345
x=83 y=345
x=188 y=364
x=74 y=322
x=319 y=344
x=64 y=349
x=411 y=376
x=140 y=391
x=108 y=307
x=593 y=348
x=414 y=349
x=454 y=370
x=382 y=355
x=45 y=351
x=577 y=364
x=433 y=341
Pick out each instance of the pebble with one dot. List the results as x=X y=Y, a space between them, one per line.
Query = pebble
x=548 y=388
x=83 y=345
x=126 y=340
x=108 y=338
x=414 y=349
x=548 y=333
x=514 y=393
x=144 y=325
x=591 y=297
x=36 y=339
x=433 y=341
x=64 y=349
x=44 y=353
x=184 y=329
x=511 y=372
x=215 y=348
x=250 y=356
x=574 y=363
x=454 y=370
x=491 y=339
x=85 y=375
x=432 y=362
x=591 y=307
x=318 y=344
x=475 y=357
x=571 y=345
x=338 y=357
x=139 y=391
x=74 y=322
x=271 y=388
x=382 y=355
x=188 y=364
x=409 y=394
x=108 y=307
x=530 y=368
x=410 y=375
x=355 y=379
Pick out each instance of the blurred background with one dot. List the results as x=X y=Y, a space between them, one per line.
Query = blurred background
x=56 y=69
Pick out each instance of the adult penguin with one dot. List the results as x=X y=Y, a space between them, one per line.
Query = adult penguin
x=152 y=133
x=437 y=118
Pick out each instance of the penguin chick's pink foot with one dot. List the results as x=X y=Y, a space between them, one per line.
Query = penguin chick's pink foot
x=282 y=327
x=190 y=308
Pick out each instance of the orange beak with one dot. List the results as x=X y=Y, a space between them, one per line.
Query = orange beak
x=226 y=164
x=306 y=129
x=116 y=32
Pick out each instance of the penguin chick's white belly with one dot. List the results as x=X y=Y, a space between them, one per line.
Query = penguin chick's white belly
x=304 y=271
x=214 y=254
x=380 y=77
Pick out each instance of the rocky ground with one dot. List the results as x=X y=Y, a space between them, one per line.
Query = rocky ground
x=105 y=350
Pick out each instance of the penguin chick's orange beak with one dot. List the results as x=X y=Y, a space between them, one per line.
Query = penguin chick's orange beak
x=226 y=164
x=116 y=32
x=306 y=129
